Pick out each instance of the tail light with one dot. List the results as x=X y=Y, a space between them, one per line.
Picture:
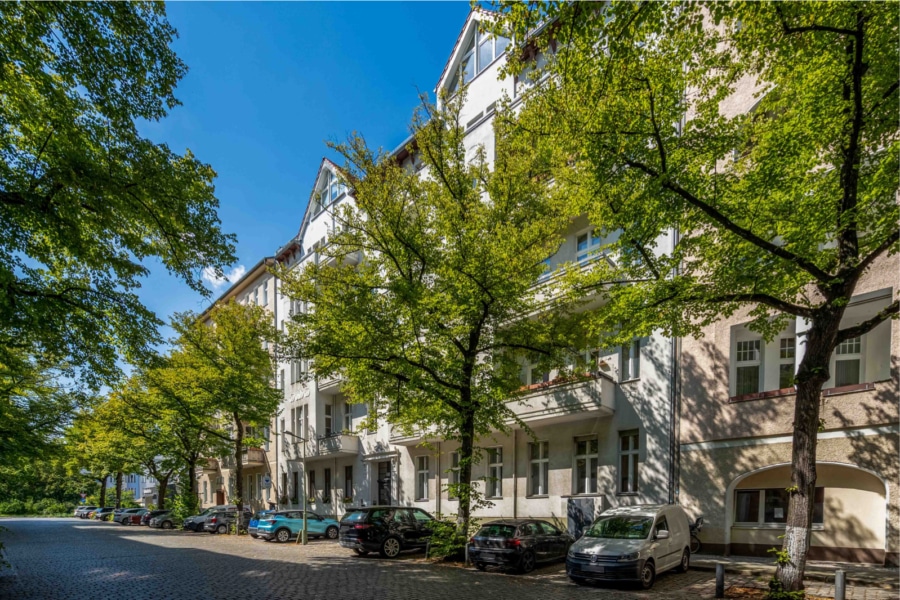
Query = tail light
x=472 y=541
x=213 y=520
x=514 y=543
x=362 y=526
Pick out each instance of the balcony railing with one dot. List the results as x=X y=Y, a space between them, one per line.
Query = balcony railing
x=253 y=457
x=331 y=446
x=331 y=383
x=207 y=466
x=565 y=399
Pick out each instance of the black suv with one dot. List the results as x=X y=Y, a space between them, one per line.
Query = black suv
x=385 y=529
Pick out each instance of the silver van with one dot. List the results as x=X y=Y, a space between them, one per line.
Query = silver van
x=632 y=543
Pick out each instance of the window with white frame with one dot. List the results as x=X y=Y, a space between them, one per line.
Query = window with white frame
x=348 y=482
x=205 y=491
x=786 y=355
x=747 y=369
x=256 y=296
x=494 y=488
x=422 y=478
x=348 y=417
x=329 y=420
x=586 y=464
x=259 y=485
x=848 y=362
x=539 y=475
x=281 y=380
x=265 y=294
x=537 y=375
x=454 y=476
x=587 y=244
x=629 y=451
x=480 y=52
x=768 y=507
x=631 y=360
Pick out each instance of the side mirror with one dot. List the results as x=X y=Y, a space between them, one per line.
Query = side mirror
x=662 y=535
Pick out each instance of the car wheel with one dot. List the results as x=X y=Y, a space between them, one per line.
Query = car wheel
x=361 y=552
x=331 y=533
x=222 y=529
x=282 y=536
x=526 y=563
x=167 y=524
x=390 y=547
x=480 y=566
x=685 y=563
x=648 y=575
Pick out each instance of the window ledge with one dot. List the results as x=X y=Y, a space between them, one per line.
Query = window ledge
x=763 y=395
x=627 y=493
x=537 y=496
x=848 y=389
x=632 y=380
x=592 y=495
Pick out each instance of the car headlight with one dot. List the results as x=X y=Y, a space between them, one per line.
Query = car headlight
x=629 y=557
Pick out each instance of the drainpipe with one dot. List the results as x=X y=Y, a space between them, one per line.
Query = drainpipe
x=278 y=381
x=515 y=473
x=438 y=493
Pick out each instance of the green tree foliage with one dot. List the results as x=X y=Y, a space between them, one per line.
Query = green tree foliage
x=428 y=327
x=86 y=202
x=223 y=352
x=780 y=210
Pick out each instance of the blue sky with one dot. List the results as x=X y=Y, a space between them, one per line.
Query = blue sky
x=270 y=83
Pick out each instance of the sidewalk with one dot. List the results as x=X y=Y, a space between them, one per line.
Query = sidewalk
x=857 y=574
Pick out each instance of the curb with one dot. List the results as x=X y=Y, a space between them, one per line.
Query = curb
x=809 y=575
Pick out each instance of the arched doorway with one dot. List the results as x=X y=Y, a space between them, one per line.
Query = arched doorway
x=849 y=520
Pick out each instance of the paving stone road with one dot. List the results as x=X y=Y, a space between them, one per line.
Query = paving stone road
x=55 y=559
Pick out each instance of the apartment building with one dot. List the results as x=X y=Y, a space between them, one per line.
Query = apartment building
x=138 y=487
x=216 y=476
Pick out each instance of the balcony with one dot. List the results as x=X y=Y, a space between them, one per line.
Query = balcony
x=253 y=457
x=566 y=399
x=332 y=446
x=330 y=384
x=206 y=467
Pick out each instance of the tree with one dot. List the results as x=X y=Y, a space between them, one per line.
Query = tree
x=428 y=327
x=225 y=356
x=85 y=201
x=780 y=210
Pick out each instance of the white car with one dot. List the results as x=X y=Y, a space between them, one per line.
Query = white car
x=632 y=543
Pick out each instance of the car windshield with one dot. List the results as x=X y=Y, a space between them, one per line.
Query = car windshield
x=620 y=527
x=501 y=531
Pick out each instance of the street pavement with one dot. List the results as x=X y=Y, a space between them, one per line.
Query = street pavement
x=79 y=559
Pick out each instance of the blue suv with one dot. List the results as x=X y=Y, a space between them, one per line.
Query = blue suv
x=286 y=524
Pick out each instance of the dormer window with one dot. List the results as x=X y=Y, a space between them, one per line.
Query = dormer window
x=331 y=190
x=488 y=47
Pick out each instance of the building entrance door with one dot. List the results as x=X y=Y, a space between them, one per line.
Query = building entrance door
x=220 y=497
x=384 y=482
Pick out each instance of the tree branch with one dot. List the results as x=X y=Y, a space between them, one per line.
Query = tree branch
x=868 y=325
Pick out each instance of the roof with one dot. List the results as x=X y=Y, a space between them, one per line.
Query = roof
x=240 y=283
x=325 y=161
x=459 y=40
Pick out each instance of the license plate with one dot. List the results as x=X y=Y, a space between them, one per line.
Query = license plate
x=594 y=569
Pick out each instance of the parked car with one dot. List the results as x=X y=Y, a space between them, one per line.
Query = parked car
x=286 y=524
x=145 y=520
x=163 y=521
x=82 y=511
x=388 y=530
x=121 y=514
x=221 y=521
x=196 y=522
x=133 y=516
x=104 y=514
x=632 y=543
x=518 y=543
x=254 y=521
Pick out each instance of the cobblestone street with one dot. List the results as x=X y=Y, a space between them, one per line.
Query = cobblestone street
x=70 y=558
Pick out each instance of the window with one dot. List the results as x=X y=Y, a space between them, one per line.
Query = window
x=256 y=296
x=284 y=487
x=587 y=244
x=311 y=488
x=329 y=427
x=786 y=355
x=488 y=48
x=631 y=360
x=770 y=506
x=422 y=478
x=848 y=361
x=495 y=473
x=536 y=375
x=586 y=463
x=629 y=449
x=205 y=492
x=259 y=485
x=327 y=485
x=281 y=380
x=540 y=468
x=454 y=475
x=348 y=417
x=348 y=482
x=265 y=295
x=295 y=490
x=747 y=371
x=251 y=491
x=421 y=516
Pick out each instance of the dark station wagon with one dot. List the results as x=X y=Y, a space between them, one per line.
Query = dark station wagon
x=518 y=543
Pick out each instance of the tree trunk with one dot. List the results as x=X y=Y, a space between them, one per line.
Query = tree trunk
x=103 y=491
x=163 y=484
x=119 y=489
x=239 y=469
x=192 y=466
x=811 y=376
x=466 y=450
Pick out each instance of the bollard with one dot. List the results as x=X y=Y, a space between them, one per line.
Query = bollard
x=720 y=580
x=840 y=585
